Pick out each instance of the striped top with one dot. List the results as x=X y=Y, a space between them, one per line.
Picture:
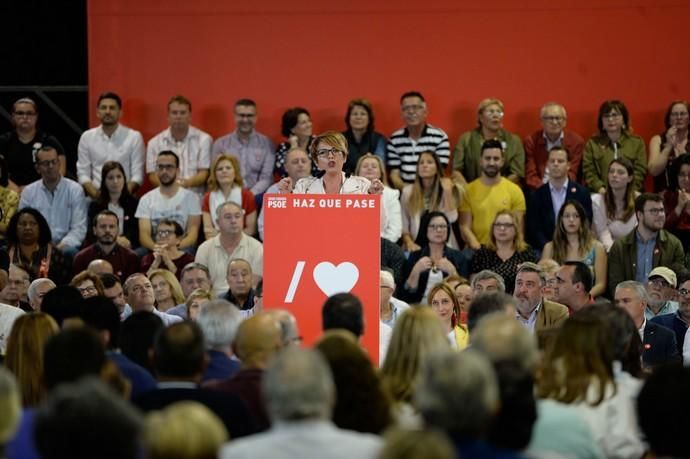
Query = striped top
x=402 y=152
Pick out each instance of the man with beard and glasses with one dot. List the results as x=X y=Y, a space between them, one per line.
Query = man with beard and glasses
x=635 y=255
x=253 y=150
x=535 y=312
x=169 y=201
x=106 y=228
x=679 y=320
x=111 y=141
x=487 y=195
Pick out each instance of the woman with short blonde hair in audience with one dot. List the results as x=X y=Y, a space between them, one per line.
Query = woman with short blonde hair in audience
x=417 y=334
x=24 y=355
x=505 y=251
x=196 y=299
x=430 y=192
x=550 y=267
x=183 y=430
x=371 y=167
x=225 y=184
x=166 y=289
x=573 y=241
x=445 y=304
x=670 y=145
x=614 y=211
x=578 y=370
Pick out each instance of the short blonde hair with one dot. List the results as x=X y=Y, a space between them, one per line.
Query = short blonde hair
x=175 y=287
x=213 y=183
x=379 y=161
x=331 y=138
x=184 y=430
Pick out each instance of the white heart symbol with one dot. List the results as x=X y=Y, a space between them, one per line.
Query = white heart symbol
x=333 y=279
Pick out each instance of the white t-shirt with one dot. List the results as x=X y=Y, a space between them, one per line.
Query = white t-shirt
x=156 y=207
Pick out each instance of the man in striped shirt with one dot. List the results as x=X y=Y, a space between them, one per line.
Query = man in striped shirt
x=405 y=145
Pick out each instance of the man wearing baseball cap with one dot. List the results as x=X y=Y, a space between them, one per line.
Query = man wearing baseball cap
x=661 y=288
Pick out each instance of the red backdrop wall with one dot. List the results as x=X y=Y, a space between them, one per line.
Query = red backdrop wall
x=319 y=54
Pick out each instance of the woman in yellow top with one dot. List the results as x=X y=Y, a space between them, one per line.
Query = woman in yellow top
x=445 y=304
x=614 y=140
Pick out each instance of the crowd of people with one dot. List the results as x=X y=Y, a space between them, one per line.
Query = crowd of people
x=535 y=295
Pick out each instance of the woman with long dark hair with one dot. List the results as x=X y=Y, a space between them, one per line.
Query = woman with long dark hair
x=613 y=213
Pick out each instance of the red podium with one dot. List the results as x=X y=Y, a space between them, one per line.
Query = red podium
x=317 y=245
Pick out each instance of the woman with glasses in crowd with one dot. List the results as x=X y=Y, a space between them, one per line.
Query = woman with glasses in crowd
x=671 y=144
x=166 y=253
x=434 y=261
x=614 y=140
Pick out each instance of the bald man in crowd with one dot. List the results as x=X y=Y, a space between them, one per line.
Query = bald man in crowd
x=258 y=339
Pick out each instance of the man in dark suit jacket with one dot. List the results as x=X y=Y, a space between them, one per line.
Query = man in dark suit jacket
x=548 y=199
x=678 y=321
x=179 y=359
x=659 y=343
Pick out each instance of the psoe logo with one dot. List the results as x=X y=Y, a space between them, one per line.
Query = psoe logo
x=277 y=202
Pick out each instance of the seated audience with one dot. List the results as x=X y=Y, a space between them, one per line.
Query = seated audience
x=258 y=340
x=573 y=285
x=24 y=355
x=229 y=244
x=550 y=268
x=468 y=151
x=677 y=201
x=417 y=335
x=614 y=211
x=361 y=137
x=63 y=304
x=487 y=281
x=573 y=240
x=434 y=261
x=546 y=201
x=37 y=290
x=139 y=293
x=166 y=253
x=29 y=244
x=614 y=140
x=225 y=184
x=136 y=337
x=489 y=303
x=539 y=144
x=661 y=292
x=371 y=167
x=194 y=276
x=10 y=406
x=678 y=321
x=123 y=261
x=411 y=444
x=88 y=284
x=368 y=408
x=240 y=291
x=15 y=291
x=297 y=166
x=195 y=301
x=112 y=289
x=505 y=251
x=9 y=199
x=669 y=146
x=178 y=357
x=635 y=255
x=390 y=308
x=61 y=201
x=464 y=294
x=299 y=393
x=183 y=430
x=659 y=342
x=578 y=370
x=444 y=303
x=170 y=200
x=430 y=192
x=114 y=195
x=166 y=289
x=85 y=417
x=295 y=126
x=218 y=321
x=534 y=311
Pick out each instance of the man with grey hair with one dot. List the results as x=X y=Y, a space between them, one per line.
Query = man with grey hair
x=661 y=288
x=218 y=320
x=37 y=289
x=230 y=243
x=553 y=134
x=488 y=281
x=534 y=311
x=289 y=331
x=138 y=292
x=299 y=394
x=458 y=393
x=541 y=427
x=659 y=343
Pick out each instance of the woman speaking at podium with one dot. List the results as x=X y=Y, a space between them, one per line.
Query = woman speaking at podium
x=329 y=153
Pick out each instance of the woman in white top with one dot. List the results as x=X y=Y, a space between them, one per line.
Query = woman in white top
x=614 y=211
x=371 y=167
x=429 y=192
x=329 y=153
